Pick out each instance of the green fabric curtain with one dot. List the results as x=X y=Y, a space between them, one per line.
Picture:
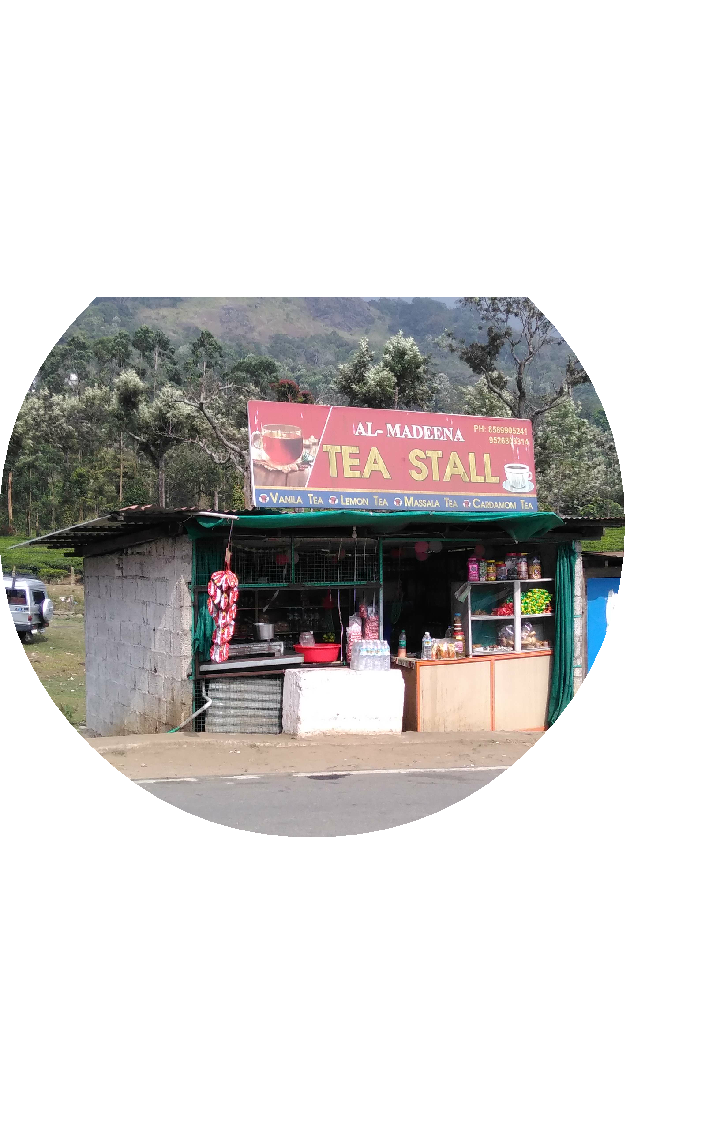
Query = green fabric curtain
x=561 y=688
x=208 y=556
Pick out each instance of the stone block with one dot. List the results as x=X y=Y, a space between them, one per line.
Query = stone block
x=162 y=643
x=342 y=701
x=155 y=683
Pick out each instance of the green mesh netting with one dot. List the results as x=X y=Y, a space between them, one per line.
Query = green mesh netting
x=561 y=687
x=208 y=557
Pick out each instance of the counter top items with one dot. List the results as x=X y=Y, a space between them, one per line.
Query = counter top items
x=426 y=649
x=370 y=654
x=402 y=645
x=535 y=568
x=322 y=652
x=491 y=571
x=443 y=649
x=473 y=568
x=354 y=634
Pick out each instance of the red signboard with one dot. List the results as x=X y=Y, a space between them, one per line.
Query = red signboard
x=388 y=460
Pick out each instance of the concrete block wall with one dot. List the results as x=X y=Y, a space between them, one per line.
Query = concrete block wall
x=579 y=622
x=138 y=638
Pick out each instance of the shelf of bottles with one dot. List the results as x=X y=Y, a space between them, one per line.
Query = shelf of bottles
x=509 y=616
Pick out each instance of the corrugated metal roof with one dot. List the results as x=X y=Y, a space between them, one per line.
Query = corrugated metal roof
x=117 y=523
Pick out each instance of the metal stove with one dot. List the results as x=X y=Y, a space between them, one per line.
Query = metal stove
x=273 y=649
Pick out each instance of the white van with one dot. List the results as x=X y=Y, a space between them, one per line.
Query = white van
x=29 y=604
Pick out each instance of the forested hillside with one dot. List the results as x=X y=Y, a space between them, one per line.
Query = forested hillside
x=143 y=399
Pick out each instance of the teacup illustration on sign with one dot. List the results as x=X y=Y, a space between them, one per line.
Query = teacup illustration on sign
x=518 y=479
x=281 y=456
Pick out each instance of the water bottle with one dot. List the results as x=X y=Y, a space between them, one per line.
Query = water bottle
x=426 y=652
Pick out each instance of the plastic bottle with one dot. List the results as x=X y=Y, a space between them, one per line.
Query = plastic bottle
x=426 y=651
x=402 y=645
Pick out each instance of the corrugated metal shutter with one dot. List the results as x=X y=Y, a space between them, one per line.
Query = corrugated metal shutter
x=245 y=704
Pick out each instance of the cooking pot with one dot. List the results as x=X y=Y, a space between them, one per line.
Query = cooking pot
x=264 y=631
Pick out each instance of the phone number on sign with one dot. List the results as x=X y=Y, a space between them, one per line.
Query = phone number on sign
x=508 y=440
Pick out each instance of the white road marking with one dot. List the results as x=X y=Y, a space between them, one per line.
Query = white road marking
x=311 y=775
x=400 y=771
x=170 y=780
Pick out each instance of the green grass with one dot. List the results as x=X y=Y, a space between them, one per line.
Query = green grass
x=48 y=564
x=58 y=657
x=613 y=540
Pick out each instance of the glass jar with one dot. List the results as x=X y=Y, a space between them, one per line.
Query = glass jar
x=522 y=565
x=535 y=568
x=472 y=566
x=491 y=571
x=511 y=564
x=501 y=569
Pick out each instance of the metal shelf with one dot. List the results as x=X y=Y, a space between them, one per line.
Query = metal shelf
x=504 y=582
x=494 y=617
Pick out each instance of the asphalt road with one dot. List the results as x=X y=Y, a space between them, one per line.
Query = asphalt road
x=320 y=804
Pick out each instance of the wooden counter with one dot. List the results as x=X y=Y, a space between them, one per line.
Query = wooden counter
x=505 y=692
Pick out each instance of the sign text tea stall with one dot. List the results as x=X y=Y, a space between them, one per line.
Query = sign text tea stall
x=388 y=460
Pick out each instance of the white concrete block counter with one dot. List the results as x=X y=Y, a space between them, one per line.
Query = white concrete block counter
x=342 y=700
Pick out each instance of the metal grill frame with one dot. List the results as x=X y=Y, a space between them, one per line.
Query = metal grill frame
x=254 y=562
x=331 y=561
x=312 y=562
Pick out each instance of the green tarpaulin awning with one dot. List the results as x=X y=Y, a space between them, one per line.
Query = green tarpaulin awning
x=518 y=525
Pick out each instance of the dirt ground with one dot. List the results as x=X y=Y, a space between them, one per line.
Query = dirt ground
x=172 y=756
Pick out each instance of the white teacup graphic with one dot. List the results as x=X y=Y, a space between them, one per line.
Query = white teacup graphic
x=517 y=478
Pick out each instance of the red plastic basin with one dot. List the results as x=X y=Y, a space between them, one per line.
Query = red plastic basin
x=320 y=652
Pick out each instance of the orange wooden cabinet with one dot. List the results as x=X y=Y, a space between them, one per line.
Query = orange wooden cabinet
x=506 y=692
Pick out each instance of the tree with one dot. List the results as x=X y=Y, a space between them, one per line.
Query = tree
x=154 y=348
x=67 y=365
x=402 y=380
x=578 y=472
x=257 y=370
x=287 y=390
x=156 y=425
x=516 y=337
x=113 y=352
